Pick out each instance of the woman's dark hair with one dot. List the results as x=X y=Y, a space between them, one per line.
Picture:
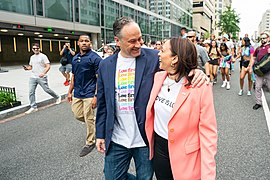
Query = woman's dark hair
x=215 y=48
x=224 y=45
x=247 y=41
x=186 y=52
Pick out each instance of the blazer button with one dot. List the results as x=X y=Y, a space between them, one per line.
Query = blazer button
x=172 y=141
x=172 y=130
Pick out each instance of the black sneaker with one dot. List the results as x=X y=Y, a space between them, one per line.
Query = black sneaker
x=215 y=81
x=87 y=149
x=257 y=106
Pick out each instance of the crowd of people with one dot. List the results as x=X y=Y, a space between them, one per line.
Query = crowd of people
x=221 y=54
x=154 y=101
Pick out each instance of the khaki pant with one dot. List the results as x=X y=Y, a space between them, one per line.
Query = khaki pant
x=82 y=109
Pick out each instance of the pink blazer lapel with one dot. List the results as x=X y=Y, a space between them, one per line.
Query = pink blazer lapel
x=183 y=94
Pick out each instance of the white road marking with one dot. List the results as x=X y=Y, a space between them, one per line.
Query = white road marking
x=266 y=111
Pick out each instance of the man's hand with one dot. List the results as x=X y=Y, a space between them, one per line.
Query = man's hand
x=100 y=144
x=69 y=97
x=199 y=77
x=94 y=102
x=268 y=50
x=42 y=75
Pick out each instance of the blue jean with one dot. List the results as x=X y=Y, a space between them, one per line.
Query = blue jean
x=117 y=162
x=43 y=82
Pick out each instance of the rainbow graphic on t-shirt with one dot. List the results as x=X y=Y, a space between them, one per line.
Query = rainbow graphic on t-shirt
x=125 y=89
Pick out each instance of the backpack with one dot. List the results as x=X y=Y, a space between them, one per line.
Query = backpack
x=263 y=66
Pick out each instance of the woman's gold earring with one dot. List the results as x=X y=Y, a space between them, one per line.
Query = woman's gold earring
x=172 y=65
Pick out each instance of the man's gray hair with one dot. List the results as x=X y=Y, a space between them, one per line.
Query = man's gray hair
x=119 y=24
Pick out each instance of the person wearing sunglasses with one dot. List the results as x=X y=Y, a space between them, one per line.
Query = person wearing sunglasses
x=40 y=65
x=202 y=56
x=259 y=53
x=158 y=45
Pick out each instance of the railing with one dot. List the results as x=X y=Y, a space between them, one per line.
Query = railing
x=10 y=92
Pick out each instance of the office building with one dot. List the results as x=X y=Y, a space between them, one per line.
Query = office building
x=264 y=25
x=54 y=22
x=203 y=16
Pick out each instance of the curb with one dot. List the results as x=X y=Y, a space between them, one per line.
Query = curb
x=22 y=108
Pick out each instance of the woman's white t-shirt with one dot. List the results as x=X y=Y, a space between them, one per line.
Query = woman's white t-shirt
x=164 y=104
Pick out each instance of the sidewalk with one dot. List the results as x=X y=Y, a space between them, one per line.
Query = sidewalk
x=19 y=78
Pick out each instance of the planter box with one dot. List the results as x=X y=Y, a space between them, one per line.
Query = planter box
x=13 y=104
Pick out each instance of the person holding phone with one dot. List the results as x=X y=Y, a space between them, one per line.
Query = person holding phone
x=65 y=69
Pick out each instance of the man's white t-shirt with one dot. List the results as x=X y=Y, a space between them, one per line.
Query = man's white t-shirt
x=164 y=104
x=230 y=45
x=126 y=131
x=38 y=62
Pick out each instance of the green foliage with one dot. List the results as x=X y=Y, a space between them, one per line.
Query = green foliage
x=229 y=22
x=6 y=98
x=206 y=35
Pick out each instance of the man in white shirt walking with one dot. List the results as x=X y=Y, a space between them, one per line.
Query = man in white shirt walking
x=40 y=65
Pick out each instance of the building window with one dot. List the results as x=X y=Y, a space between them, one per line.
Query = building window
x=142 y=4
x=39 y=7
x=143 y=22
x=111 y=13
x=56 y=9
x=220 y=5
x=127 y=11
x=89 y=12
x=76 y=11
x=23 y=7
x=132 y=1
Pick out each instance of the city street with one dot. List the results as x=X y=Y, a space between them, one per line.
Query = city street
x=46 y=144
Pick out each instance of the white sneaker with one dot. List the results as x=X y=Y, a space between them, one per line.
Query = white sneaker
x=223 y=84
x=228 y=86
x=249 y=93
x=31 y=110
x=240 y=92
x=58 y=101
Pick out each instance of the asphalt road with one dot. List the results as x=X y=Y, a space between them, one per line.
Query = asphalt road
x=244 y=140
x=46 y=144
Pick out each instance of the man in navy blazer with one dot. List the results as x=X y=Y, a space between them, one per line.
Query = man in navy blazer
x=146 y=66
x=124 y=84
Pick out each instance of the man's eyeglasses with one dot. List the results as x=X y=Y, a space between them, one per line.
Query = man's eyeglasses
x=190 y=36
x=264 y=38
x=35 y=48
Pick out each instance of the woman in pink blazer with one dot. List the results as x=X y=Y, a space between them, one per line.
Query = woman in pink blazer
x=180 y=120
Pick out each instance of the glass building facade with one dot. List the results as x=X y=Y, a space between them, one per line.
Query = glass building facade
x=158 y=19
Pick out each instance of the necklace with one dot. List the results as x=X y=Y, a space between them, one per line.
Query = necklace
x=169 y=85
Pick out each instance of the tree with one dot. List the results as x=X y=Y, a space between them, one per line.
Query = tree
x=229 y=22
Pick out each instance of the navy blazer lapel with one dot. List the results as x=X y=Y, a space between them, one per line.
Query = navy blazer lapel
x=111 y=77
x=140 y=65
